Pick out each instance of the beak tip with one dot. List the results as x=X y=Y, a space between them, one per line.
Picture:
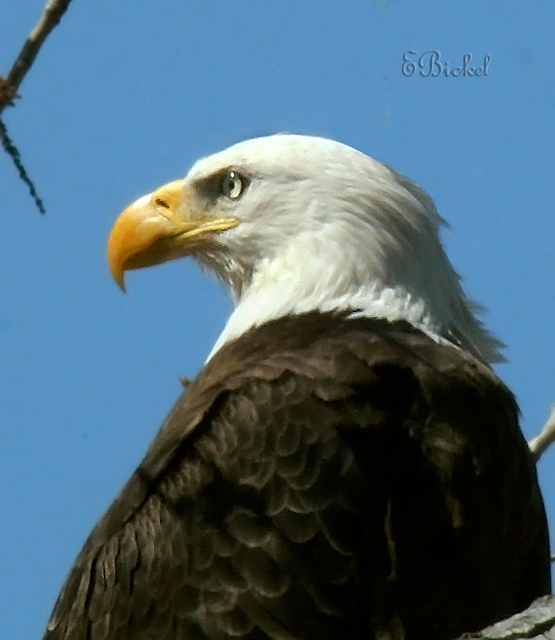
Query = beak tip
x=121 y=285
x=119 y=277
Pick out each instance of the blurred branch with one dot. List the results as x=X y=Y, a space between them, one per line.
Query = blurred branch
x=547 y=435
x=7 y=94
x=53 y=11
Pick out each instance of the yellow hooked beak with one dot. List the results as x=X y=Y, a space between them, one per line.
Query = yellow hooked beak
x=163 y=225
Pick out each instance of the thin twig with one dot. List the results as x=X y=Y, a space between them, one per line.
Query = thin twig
x=547 y=435
x=13 y=152
x=53 y=11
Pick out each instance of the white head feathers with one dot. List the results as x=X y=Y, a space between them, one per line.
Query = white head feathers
x=323 y=226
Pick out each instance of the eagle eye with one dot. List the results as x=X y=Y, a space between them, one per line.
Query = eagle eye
x=233 y=185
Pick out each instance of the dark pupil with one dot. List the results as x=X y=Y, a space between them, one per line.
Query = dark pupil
x=230 y=183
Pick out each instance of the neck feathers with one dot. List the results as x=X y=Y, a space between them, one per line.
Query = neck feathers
x=323 y=272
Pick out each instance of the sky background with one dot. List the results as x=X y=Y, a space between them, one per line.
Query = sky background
x=125 y=96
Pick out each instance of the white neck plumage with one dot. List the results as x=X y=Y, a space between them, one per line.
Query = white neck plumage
x=325 y=272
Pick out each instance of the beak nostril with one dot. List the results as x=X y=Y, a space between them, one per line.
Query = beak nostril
x=161 y=202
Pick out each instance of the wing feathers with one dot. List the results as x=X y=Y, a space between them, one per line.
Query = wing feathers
x=323 y=477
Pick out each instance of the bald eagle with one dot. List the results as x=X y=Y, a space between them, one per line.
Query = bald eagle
x=346 y=464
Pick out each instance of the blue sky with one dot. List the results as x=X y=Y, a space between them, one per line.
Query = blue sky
x=126 y=96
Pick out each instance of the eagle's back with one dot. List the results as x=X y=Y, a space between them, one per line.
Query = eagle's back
x=322 y=478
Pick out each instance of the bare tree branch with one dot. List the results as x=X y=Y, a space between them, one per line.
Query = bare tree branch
x=547 y=435
x=53 y=11
x=537 y=622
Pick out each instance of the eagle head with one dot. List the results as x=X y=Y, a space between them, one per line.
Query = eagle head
x=297 y=223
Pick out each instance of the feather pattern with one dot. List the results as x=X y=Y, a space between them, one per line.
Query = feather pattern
x=324 y=477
